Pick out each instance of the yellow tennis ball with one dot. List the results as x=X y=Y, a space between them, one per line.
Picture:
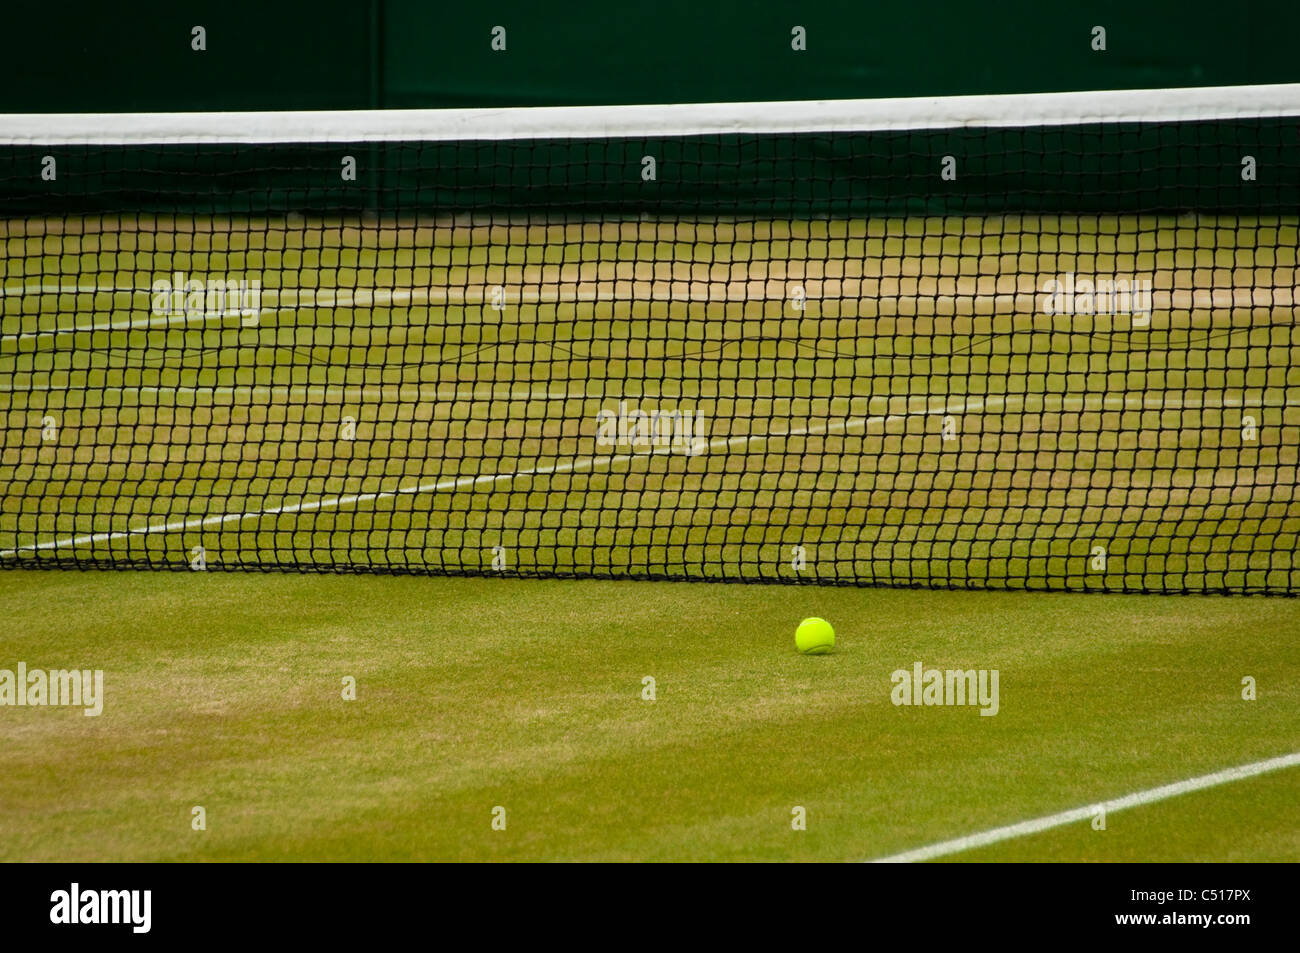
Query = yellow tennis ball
x=814 y=637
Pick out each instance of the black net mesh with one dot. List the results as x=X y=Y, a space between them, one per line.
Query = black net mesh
x=1048 y=358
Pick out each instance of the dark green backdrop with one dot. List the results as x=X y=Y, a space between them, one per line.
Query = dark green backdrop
x=285 y=54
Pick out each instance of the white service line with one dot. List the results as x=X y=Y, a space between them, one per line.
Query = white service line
x=1147 y=402
x=308 y=299
x=136 y=323
x=1150 y=796
x=576 y=466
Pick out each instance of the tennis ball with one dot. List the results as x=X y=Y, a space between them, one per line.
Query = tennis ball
x=814 y=637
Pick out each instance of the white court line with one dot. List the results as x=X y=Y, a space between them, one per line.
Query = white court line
x=308 y=299
x=136 y=323
x=156 y=322
x=605 y=290
x=1150 y=796
x=576 y=466
x=394 y=295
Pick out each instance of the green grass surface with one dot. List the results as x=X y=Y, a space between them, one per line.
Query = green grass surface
x=476 y=427
x=223 y=690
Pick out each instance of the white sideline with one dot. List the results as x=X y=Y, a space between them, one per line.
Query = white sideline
x=576 y=466
x=348 y=299
x=1150 y=796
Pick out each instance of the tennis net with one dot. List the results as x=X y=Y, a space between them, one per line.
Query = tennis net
x=1027 y=342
